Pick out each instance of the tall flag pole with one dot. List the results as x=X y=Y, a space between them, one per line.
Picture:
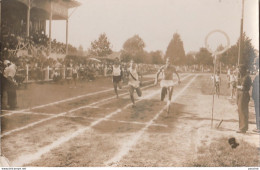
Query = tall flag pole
x=240 y=47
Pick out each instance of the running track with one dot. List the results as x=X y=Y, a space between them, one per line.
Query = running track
x=102 y=113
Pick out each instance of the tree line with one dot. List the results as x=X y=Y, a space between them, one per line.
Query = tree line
x=133 y=48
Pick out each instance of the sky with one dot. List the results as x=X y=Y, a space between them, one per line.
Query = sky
x=155 y=21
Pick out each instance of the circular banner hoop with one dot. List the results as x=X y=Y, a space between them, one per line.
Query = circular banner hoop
x=217 y=52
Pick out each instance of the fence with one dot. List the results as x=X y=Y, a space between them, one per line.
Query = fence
x=32 y=74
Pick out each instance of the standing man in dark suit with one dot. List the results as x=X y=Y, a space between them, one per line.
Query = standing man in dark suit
x=10 y=84
x=243 y=97
x=255 y=96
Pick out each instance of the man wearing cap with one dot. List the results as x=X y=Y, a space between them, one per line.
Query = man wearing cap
x=243 y=97
x=10 y=84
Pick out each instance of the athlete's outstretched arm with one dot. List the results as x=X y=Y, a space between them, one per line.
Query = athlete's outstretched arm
x=157 y=75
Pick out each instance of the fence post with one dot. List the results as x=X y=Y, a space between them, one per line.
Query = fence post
x=27 y=73
x=63 y=72
x=47 y=73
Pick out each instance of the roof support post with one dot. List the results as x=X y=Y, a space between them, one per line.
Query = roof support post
x=28 y=18
x=67 y=35
x=50 y=21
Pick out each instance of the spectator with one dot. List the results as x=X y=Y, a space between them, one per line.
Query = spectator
x=244 y=84
x=255 y=96
x=74 y=75
x=10 y=84
x=233 y=84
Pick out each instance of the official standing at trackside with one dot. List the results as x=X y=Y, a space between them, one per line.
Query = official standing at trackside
x=255 y=96
x=243 y=97
x=10 y=84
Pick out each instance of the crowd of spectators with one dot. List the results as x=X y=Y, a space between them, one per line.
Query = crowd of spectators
x=36 y=44
x=62 y=68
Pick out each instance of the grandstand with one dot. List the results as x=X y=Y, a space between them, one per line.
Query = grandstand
x=23 y=27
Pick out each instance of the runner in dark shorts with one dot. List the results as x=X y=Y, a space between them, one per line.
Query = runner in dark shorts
x=167 y=83
x=117 y=76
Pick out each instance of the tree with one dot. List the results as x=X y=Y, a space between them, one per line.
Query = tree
x=100 y=47
x=133 y=48
x=190 y=59
x=203 y=57
x=230 y=57
x=80 y=50
x=156 y=57
x=175 y=50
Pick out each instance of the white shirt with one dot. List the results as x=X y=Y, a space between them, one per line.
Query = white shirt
x=232 y=78
x=10 y=71
x=217 y=78
x=133 y=82
x=134 y=73
x=116 y=71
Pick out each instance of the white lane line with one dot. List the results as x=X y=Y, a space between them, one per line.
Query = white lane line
x=119 y=121
x=26 y=159
x=36 y=113
x=125 y=148
x=134 y=122
x=64 y=113
x=62 y=101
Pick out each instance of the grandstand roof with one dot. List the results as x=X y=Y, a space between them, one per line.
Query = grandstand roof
x=59 y=7
x=68 y=3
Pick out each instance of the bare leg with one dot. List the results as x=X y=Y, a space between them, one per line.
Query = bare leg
x=131 y=92
x=138 y=91
x=75 y=82
x=115 y=88
x=163 y=93
x=120 y=85
x=170 y=89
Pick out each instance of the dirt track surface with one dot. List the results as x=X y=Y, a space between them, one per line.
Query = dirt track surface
x=100 y=130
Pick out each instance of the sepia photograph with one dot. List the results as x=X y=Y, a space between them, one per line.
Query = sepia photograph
x=129 y=83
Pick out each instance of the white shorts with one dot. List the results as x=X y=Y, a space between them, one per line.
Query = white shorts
x=167 y=83
x=135 y=84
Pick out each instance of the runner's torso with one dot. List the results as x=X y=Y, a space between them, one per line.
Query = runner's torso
x=116 y=70
x=168 y=72
x=134 y=74
x=217 y=79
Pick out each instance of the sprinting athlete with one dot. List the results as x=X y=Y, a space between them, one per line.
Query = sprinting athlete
x=167 y=83
x=133 y=82
x=117 y=76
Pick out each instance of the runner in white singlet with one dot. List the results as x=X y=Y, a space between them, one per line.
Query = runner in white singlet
x=117 y=76
x=167 y=83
